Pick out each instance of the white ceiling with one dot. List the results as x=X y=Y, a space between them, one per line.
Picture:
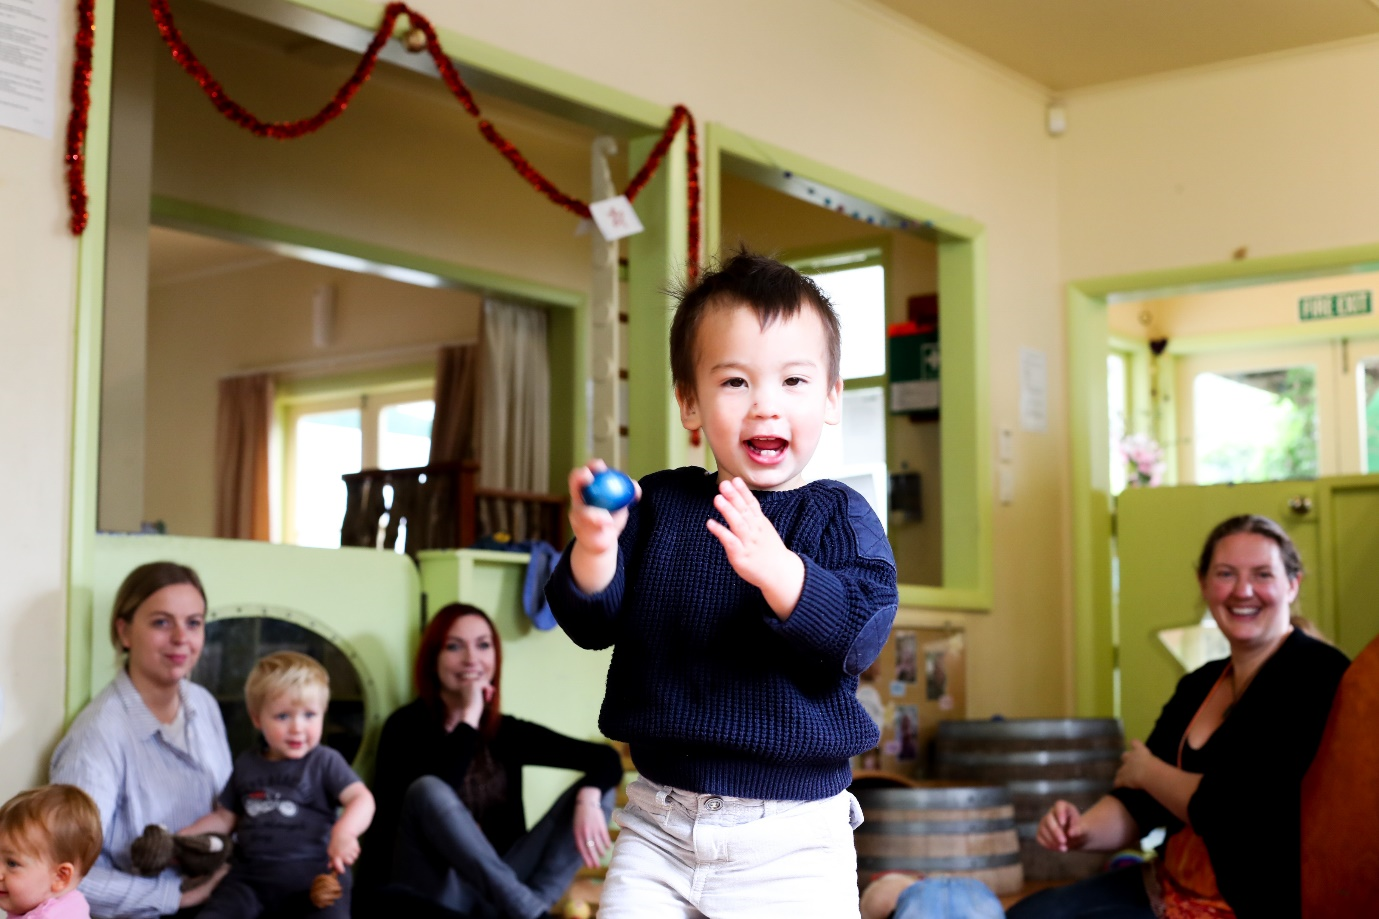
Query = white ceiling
x=1068 y=44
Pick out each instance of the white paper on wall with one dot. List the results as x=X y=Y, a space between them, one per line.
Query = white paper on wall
x=1034 y=390
x=28 y=65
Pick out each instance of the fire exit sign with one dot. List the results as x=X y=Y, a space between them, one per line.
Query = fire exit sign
x=1334 y=306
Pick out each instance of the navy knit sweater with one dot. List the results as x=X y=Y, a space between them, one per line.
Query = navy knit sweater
x=713 y=692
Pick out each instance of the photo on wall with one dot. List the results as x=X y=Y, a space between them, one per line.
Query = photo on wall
x=906 y=657
x=935 y=672
x=906 y=707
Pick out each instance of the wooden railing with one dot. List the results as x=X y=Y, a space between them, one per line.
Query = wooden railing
x=441 y=506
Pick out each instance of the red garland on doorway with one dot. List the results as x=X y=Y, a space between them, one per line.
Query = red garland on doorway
x=76 y=120
x=287 y=130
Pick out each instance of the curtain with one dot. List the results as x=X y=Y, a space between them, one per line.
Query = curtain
x=457 y=377
x=514 y=448
x=243 y=422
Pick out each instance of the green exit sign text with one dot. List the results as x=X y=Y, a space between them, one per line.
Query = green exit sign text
x=1334 y=306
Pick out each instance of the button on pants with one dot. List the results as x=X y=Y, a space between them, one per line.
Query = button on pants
x=681 y=855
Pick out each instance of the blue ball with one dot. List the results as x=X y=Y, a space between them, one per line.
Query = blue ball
x=610 y=490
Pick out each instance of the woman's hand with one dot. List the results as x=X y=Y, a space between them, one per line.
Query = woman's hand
x=1137 y=766
x=202 y=892
x=591 y=827
x=1170 y=786
x=1061 y=830
x=474 y=695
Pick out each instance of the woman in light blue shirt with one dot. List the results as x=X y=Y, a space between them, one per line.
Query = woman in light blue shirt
x=151 y=748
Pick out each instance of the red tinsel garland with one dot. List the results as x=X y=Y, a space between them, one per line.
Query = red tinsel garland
x=286 y=130
x=81 y=109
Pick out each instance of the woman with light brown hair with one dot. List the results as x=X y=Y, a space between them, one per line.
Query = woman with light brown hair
x=151 y=747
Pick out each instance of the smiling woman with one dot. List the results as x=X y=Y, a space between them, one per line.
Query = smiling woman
x=451 y=829
x=1223 y=767
x=150 y=748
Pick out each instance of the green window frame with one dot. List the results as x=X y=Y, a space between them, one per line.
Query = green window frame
x=964 y=405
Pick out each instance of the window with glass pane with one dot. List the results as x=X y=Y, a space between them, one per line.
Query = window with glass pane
x=1369 y=408
x=1255 y=426
x=327 y=445
x=404 y=434
x=859 y=297
x=1116 y=401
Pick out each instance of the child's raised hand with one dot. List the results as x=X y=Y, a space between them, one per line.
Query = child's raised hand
x=343 y=849
x=755 y=549
x=594 y=558
x=595 y=527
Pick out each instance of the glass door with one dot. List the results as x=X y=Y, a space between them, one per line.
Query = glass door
x=1262 y=415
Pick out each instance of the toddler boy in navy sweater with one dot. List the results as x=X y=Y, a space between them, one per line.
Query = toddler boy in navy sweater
x=741 y=606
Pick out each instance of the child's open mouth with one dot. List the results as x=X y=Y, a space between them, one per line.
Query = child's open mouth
x=766 y=449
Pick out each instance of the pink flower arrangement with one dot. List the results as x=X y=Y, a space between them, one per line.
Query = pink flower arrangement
x=1145 y=458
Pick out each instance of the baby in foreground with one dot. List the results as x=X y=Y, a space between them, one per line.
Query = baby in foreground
x=49 y=838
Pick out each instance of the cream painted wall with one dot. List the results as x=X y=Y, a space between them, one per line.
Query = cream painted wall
x=1273 y=154
x=37 y=287
x=205 y=327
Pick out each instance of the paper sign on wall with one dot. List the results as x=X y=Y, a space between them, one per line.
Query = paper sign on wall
x=1034 y=390
x=28 y=65
x=615 y=218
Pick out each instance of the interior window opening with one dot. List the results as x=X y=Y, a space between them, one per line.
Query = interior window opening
x=880 y=280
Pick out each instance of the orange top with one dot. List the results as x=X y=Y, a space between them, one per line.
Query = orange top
x=1187 y=882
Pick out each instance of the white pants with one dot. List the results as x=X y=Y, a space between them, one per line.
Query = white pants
x=681 y=855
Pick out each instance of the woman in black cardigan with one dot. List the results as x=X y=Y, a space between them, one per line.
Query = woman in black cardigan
x=450 y=827
x=1223 y=768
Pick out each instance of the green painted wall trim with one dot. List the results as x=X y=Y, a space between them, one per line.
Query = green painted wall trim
x=965 y=409
x=86 y=384
x=1087 y=423
x=965 y=406
x=656 y=262
x=188 y=215
x=1091 y=505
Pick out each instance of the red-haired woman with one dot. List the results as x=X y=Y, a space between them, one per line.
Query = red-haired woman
x=448 y=784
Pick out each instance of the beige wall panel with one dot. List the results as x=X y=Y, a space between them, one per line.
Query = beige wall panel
x=1274 y=155
x=37 y=288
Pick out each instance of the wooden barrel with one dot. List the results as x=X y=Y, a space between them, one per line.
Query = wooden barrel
x=1040 y=761
x=940 y=829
